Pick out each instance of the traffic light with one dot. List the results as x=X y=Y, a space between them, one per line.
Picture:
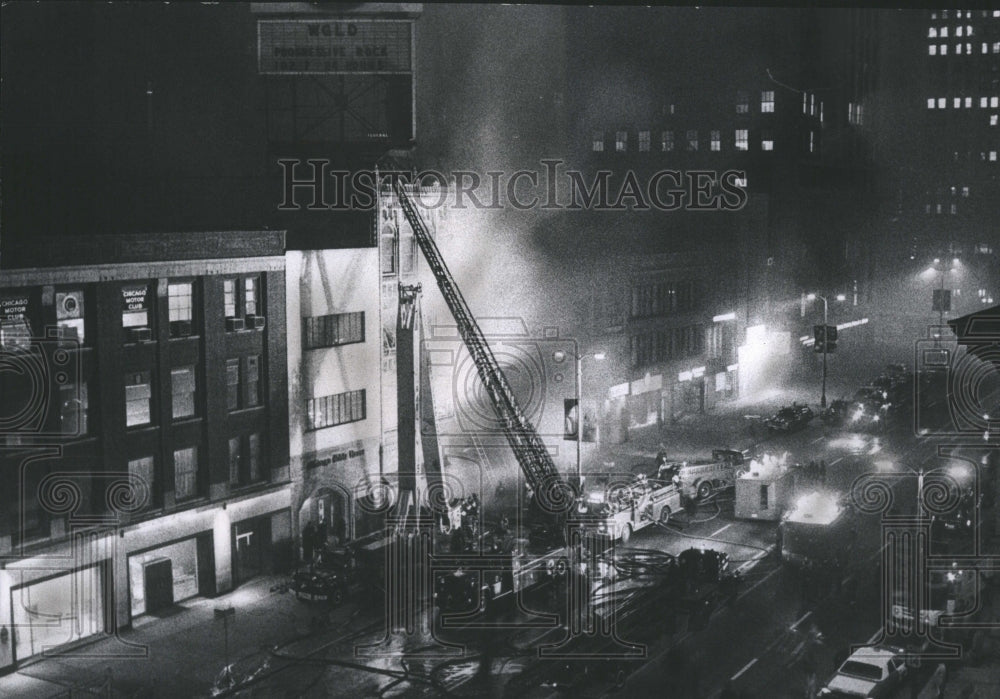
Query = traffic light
x=831 y=338
x=825 y=338
x=819 y=333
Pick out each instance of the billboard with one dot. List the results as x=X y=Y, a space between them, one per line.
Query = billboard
x=334 y=46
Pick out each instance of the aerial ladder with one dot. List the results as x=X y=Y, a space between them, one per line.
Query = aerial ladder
x=551 y=492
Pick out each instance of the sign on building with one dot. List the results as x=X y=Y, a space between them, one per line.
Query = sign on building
x=338 y=46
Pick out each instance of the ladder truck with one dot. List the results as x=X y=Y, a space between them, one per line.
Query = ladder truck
x=464 y=587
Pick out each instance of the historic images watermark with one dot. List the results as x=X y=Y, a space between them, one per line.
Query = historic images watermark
x=311 y=184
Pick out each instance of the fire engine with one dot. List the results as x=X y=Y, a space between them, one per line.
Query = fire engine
x=621 y=511
x=699 y=480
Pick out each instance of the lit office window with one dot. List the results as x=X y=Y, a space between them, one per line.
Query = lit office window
x=692 y=140
x=179 y=297
x=767 y=141
x=667 y=141
x=182 y=388
x=644 y=141
x=229 y=297
x=930 y=103
x=598 y=142
x=621 y=141
x=742 y=103
x=932 y=50
x=716 y=141
x=767 y=101
x=250 y=291
x=742 y=139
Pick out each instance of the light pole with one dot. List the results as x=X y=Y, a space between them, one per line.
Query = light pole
x=813 y=297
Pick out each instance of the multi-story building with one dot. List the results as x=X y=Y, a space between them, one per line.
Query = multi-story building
x=939 y=137
x=144 y=393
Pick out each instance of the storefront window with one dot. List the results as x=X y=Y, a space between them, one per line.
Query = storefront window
x=57 y=611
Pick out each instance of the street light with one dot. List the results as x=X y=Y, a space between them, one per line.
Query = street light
x=813 y=297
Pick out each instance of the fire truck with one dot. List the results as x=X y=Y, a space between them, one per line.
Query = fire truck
x=621 y=511
x=819 y=530
x=700 y=479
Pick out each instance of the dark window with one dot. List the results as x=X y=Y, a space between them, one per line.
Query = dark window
x=252 y=379
x=388 y=250
x=337 y=409
x=235 y=459
x=138 y=399
x=407 y=254
x=142 y=475
x=253 y=457
x=73 y=409
x=763 y=497
x=333 y=330
x=233 y=384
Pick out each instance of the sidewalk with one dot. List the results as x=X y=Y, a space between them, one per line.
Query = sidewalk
x=179 y=655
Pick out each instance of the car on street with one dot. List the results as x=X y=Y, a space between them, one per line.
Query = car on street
x=870 y=671
x=790 y=418
x=837 y=413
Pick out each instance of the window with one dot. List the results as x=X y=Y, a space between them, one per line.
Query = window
x=944 y=33
x=667 y=141
x=716 y=139
x=598 y=142
x=644 y=141
x=135 y=313
x=621 y=141
x=235 y=459
x=767 y=101
x=932 y=50
x=253 y=457
x=805 y=102
x=407 y=254
x=932 y=33
x=138 y=399
x=958 y=31
x=968 y=102
x=742 y=139
x=996 y=47
x=182 y=387
x=812 y=105
x=333 y=410
x=956 y=102
x=821 y=112
x=965 y=191
x=333 y=330
x=250 y=298
x=942 y=103
x=742 y=103
x=232 y=384
x=141 y=475
x=186 y=473
x=229 y=297
x=812 y=141
x=984 y=102
x=179 y=300
x=994 y=102
x=69 y=314
x=943 y=49
x=986 y=47
x=767 y=141
x=763 y=497
x=73 y=409
x=930 y=103
x=692 y=140
x=993 y=119
x=388 y=251
x=253 y=381
x=954 y=209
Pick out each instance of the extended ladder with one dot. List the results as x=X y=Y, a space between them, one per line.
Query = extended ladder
x=551 y=491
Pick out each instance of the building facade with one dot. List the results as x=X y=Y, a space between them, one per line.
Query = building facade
x=145 y=399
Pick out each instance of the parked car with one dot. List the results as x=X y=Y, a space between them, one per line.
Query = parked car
x=790 y=418
x=870 y=671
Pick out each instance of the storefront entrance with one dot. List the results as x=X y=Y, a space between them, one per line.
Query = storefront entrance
x=251 y=543
x=60 y=610
x=164 y=576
